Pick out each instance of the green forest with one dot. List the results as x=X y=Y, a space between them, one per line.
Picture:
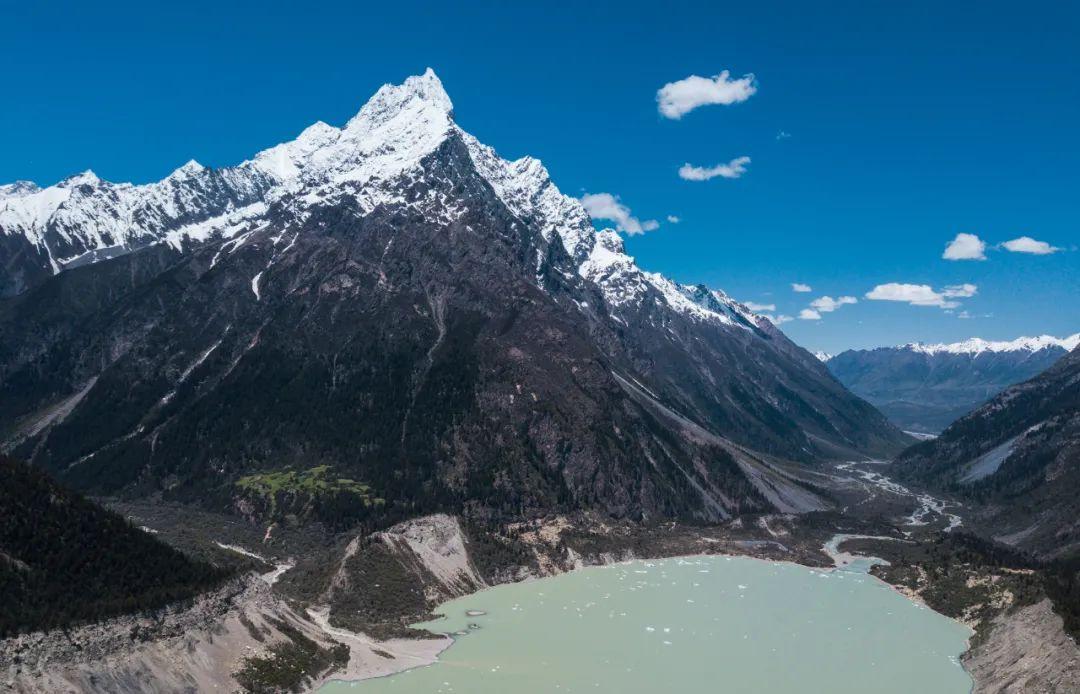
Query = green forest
x=64 y=560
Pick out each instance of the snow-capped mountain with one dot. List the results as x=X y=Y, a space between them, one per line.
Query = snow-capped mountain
x=84 y=219
x=393 y=299
x=923 y=387
x=976 y=345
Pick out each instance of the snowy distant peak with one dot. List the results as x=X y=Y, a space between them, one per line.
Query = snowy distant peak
x=823 y=356
x=18 y=189
x=191 y=168
x=86 y=178
x=977 y=345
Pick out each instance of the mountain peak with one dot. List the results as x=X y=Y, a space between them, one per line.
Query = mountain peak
x=18 y=188
x=429 y=87
x=86 y=178
x=418 y=97
x=190 y=168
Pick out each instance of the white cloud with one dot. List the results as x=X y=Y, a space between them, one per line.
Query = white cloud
x=800 y=287
x=672 y=219
x=827 y=304
x=757 y=308
x=607 y=206
x=1026 y=244
x=780 y=319
x=922 y=294
x=962 y=291
x=783 y=135
x=809 y=314
x=733 y=169
x=965 y=247
x=676 y=99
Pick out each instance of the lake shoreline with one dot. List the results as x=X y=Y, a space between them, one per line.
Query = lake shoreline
x=842 y=561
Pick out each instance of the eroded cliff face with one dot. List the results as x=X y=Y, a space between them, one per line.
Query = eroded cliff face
x=186 y=648
x=1027 y=650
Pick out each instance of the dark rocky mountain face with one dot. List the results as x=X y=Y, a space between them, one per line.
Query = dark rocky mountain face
x=1019 y=455
x=925 y=388
x=405 y=323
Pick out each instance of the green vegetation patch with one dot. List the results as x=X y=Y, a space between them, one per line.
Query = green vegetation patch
x=318 y=481
x=317 y=491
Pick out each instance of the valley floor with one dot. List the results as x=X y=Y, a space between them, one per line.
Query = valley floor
x=301 y=602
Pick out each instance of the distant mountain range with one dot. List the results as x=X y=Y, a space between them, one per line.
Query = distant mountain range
x=1019 y=455
x=924 y=387
x=385 y=319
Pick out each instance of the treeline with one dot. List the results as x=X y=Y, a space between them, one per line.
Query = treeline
x=1062 y=581
x=65 y=560
x=946 y=562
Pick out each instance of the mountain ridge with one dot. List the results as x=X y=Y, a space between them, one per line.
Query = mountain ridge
x=1017 y=454
x=400 y=291
x=924 y=388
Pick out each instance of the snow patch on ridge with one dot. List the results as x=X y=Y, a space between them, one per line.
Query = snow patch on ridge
x=975 y=345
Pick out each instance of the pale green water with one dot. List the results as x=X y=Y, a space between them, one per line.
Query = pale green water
x=699 y=624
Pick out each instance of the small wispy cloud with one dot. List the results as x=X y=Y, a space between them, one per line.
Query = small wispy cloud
x=733 y=169
x=922 y=294
x=609 y=207
x=1026 y=244
x=800 y=287
x=759 y=308
x=827 y=304
x=780 y=319
x=676 y=99
x=965 y=247
x=673 y=219
x=809 y=314
x=960 y=291
x=783 y=135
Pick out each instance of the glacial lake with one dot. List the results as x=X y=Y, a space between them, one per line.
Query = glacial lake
x=695 y=624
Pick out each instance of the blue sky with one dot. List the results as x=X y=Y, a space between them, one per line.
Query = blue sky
x=909 y=123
